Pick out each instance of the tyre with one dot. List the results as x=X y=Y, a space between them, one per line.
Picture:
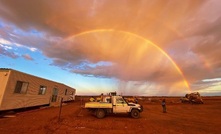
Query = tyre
x=100 y=113
x=135 y=113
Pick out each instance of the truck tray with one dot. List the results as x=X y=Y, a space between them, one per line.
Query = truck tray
x=98 y=105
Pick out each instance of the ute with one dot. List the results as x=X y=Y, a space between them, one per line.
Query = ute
x=115 y=104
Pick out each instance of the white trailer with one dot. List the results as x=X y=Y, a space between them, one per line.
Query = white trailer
x=21 y=90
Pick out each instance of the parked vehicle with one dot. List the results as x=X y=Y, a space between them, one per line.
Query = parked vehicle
x=114 y=104
x=192 y=98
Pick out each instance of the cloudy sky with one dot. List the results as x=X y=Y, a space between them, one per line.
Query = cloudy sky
x=135 y=47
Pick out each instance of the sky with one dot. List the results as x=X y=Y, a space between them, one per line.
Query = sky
x=133 y=47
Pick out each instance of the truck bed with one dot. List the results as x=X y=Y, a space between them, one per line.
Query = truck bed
x=98 y=105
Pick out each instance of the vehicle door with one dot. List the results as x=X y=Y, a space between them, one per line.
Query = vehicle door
x=120 y=106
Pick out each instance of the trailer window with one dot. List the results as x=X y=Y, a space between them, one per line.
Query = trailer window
x=21 y=87
x=42 y=90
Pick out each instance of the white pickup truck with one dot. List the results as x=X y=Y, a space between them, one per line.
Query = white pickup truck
x=115 y=104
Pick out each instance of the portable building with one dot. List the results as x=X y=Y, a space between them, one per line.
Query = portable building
x=21 y=90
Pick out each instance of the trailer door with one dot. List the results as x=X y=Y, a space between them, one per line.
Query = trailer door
x=54 y=95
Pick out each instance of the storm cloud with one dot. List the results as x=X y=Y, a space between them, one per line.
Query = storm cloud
x=160 y=42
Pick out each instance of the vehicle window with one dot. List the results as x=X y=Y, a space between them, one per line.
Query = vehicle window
x=120 y=100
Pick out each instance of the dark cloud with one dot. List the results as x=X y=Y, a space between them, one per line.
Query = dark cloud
x=209 y=46
x=8 y=53
x=27 y=57
x=70 y=17
x=211 y=86
x=188 y=31
x=27 y=14
x=27 y=39
x=209 y=50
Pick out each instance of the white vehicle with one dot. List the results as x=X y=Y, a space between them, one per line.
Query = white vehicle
x=116 y=104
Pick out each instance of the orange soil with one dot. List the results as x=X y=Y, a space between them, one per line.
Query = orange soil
x=180 y=118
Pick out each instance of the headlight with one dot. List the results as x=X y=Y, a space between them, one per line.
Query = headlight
x=141 y=108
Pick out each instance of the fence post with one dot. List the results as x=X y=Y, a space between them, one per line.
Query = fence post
x=59 y=116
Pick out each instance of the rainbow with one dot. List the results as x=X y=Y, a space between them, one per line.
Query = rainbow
x=139 y=37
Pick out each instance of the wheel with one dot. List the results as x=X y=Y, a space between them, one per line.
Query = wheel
x=100 y=113
x=135 y=113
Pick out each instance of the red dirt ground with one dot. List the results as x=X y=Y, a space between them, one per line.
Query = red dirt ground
x=179 y=119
